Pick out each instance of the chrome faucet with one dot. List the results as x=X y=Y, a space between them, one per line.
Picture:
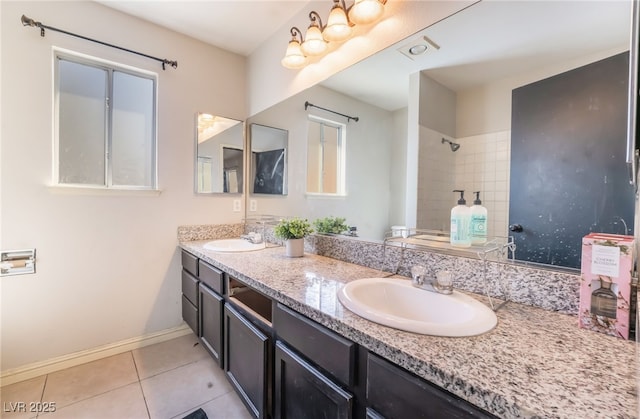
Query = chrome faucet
x=253 y=237
x=442 y=283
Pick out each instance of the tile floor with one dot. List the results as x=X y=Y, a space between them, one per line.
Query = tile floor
x=162 y=381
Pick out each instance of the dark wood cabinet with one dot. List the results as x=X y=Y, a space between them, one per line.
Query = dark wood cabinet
x=301 y=391
x=393 y=392
x=203 y=302
x=190 y=314
x=246 y=361
x=211 y=312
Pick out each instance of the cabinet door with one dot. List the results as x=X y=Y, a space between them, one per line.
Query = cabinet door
x=303 y=392
x=395 y=393
x=211 y=312
x=246 y=361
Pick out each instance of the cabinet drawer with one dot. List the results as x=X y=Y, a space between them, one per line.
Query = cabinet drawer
x=190 y=287
x=190 y=263
x=328 y=350
x=210 y=276
x=190 y=314
x=395 y=393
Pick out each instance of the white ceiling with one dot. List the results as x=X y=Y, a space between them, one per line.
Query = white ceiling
x=239 y=26
x=487 y=41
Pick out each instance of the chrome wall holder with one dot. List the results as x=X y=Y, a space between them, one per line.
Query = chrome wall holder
x=17 y=262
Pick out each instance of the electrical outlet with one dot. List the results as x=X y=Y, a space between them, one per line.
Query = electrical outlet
x=237 y=205
x=253 y=205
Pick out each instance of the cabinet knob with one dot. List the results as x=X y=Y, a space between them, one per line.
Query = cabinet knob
x=516 y=228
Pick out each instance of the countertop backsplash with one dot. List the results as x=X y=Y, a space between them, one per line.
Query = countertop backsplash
x=547 y=289
x=209 y=231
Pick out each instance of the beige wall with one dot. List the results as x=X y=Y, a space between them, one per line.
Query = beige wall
x=107 y=264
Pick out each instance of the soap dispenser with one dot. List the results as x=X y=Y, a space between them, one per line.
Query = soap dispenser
x=478 y=226
x=460 y=218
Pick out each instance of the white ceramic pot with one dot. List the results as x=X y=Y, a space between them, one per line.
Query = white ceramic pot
x=294 y=247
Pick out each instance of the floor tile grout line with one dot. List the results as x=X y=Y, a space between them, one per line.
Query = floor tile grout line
x=94 y=396
x=172 y=369
x=44 y=388
x=144 y=398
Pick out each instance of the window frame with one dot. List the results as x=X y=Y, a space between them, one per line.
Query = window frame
x=341 y=172
x=110 y=67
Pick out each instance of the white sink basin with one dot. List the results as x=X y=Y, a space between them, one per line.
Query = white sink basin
x=398 y=304
x=233 y=245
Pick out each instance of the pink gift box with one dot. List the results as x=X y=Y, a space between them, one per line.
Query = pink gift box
x=605 y=283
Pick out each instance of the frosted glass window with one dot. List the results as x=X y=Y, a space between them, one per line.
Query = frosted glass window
x=325 y=157
x=82 y=113
x=132 y=139
x=106 y=120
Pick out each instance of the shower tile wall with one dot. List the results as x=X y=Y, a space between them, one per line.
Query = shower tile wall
x=480 y=164
x=436 y=180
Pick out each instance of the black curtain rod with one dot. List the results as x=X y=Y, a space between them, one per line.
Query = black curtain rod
x=26 y=21
x=349 y=118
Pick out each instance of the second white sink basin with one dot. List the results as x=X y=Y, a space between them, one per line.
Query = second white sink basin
x=233 y=245
x=398 y=304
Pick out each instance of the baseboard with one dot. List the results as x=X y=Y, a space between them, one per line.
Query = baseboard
x=37 y=369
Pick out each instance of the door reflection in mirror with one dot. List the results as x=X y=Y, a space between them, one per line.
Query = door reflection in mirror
x=326 y=156
x=219 y=154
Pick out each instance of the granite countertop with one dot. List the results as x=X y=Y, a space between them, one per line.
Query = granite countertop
x=535 y=363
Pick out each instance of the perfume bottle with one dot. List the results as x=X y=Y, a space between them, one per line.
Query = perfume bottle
x=604 y=301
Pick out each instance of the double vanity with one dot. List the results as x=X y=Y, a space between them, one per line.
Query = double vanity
x=290 y=348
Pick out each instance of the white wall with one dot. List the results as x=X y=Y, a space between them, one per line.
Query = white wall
x=107 y=264
x=487 y=108
x=398 y=177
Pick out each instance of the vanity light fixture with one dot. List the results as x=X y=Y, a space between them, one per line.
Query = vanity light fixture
x=339 y=28
x=294 y=58
x=314 y=43
x=364 y=12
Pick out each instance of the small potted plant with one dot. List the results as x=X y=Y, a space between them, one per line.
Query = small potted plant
x=293 y=232
x=331 y=225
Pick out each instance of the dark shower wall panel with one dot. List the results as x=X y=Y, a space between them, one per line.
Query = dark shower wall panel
x=568 y=172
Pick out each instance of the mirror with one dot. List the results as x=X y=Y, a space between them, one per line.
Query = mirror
x=476 y=57
x=268 y=160
x=219 y=154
